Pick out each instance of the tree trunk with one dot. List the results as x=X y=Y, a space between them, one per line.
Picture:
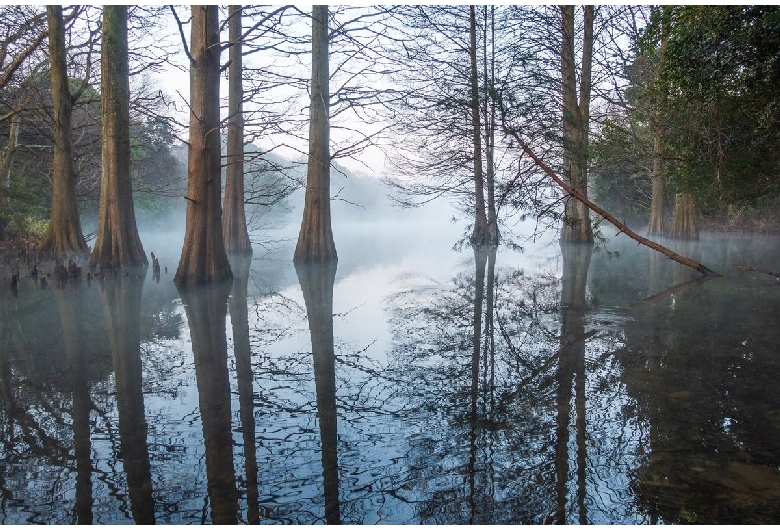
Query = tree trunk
x=490 y=127
x=576 y=121
x=6 y=161
x=480 y=234
x=63 y=235
x=657 y=225
x=117 y=244
x=203 y=256
x=235 y=230
x=684 y=223
x=315 y=240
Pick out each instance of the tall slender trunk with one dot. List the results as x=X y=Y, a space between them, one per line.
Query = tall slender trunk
x=490 y=124
x=117 y=243
x=576 y=123
x=63 y=236
x=657 y=223
x=480 y=233
x=315 y=240
x=235 y=231
x=6 y=162
x=203 y=256
x=684 y=223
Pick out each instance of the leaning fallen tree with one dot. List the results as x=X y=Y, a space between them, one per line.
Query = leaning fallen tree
x=603 y=213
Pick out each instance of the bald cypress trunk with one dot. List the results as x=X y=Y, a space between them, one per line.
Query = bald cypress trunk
x=235 y=231
x=117 y=244
x=203 y=256
x=63 y=235
x=684 y=223
x=576 y=123
x=657 y=224
x=480 y=234
x=315 y=240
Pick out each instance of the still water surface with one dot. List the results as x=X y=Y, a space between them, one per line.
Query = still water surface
x=409 y=384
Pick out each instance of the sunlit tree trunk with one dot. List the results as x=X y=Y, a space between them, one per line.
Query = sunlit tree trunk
x=203 y=256
x=315 y=240
x=576 y=122
x=684 y=223
x=480 y=233
x=64 y=234
x=117 y=243
x=235 y=230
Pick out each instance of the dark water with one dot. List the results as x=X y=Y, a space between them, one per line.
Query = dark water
x=410 y=384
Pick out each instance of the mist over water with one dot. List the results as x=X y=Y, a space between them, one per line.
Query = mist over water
x=413 y=384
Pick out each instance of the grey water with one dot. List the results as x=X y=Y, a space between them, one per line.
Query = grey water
x=411 y=383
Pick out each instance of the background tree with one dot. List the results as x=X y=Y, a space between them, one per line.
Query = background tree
x=576 y=122
x=235 y=229
x=203 y=256
x=315 y=240
x=117 y=244
x=64 y=234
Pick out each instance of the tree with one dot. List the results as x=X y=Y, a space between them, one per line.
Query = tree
x=203 y=256
x=315 y=240
x=480 y=233
x=117 y=244
x=64 y=232
x=235 y=229
x=576 y=122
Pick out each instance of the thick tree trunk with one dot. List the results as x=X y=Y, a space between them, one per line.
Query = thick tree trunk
x=315 y=240
x=63 y=235
x=480 y=233
x=684 y=223
x=657 y=225
x=576 y=122
x=203 y=256
x=235 y=230
x=117 y=244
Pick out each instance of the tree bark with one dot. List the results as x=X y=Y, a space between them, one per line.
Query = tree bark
x=236 y=235
x=684 y=223
x=490 y=127
x=657 y=224
x=6 y=161
x=63 y=236
x=203 y=256
x=576 y=122
x=117 y=244
x=480 y=233
x=315 y=240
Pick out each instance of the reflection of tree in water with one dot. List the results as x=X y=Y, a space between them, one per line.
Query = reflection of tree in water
x=491 y=369
x=706 y=383
x=121 y=298
x=206 y=309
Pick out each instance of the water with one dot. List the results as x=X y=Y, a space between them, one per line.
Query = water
x=412 y=384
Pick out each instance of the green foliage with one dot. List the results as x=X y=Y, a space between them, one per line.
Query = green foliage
x=720 y=75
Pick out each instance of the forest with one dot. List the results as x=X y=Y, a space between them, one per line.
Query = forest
x=665 y=117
